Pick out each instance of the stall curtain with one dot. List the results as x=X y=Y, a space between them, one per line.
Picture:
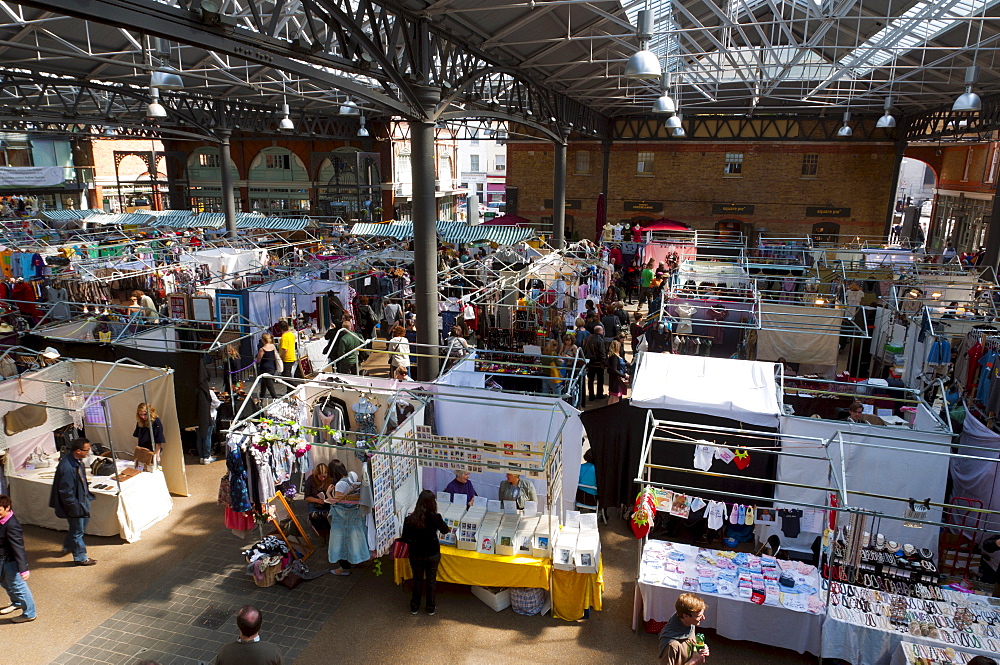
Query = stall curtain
x=978 y=479
x=227 y=261
x=616 y=435
x=122 y=407
x=46 y=386
x=786 y=333
x=287 y=297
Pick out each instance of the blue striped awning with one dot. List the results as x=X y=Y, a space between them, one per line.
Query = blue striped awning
x=69 y=214
x=448 y=232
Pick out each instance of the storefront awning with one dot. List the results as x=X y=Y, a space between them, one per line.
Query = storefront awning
x=448 y=232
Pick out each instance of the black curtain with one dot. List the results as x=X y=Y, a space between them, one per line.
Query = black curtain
x=616 y=437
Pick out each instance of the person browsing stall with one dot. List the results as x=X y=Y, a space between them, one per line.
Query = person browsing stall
x=678 y=643
x=420 y=532
x=461 y=485
x=148 y=429
x=517 y=489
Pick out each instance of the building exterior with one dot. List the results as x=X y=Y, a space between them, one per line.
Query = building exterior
x=448 y=191
x=781 y=188
x=483 y=164
x=965 y=192
x=38 y=150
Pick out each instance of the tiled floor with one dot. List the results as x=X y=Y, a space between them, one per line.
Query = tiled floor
x=173 y=621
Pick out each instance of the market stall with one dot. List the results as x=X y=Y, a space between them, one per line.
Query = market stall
x=101 y=399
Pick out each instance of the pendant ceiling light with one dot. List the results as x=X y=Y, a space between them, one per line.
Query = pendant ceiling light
x=155 y=108
x=673 y=122
x=678 y=132
x=969 y=102
x=286 y=123
x=886 y=121
x=349 y=108
x=846 y=132
x=363 y=132
x=165 y=77
x=665 y=103
x=643 y=65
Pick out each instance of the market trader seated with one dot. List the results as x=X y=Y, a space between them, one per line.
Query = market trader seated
x=856 y=413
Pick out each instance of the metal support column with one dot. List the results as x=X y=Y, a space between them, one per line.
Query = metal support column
x=992 y=255
x=228 y=200
x=893 y=187
x=425 y=247
x=559 y=195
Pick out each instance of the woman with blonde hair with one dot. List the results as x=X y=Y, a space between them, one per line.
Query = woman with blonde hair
x=148 y=429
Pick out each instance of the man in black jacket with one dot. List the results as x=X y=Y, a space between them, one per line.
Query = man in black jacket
x=14 y=565
x=596 y=352
x=71 y=499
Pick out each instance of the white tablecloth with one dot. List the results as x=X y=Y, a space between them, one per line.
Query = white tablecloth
x=864 y=645
x=901 y=657
x=737 y=618
x=144 y=501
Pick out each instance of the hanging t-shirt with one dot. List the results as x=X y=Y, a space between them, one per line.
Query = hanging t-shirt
x=790 y=521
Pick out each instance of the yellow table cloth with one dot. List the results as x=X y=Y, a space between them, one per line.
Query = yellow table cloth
x=572 y=592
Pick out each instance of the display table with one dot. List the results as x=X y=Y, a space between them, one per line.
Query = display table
x=732 y=617
x=143 y=502
x=908 y=653
x=849 y=635
x=572 y=592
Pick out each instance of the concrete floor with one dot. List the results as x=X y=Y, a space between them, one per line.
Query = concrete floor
x=372 y=624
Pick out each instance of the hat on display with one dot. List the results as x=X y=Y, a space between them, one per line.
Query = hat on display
x=6 y=328
x=50 y=353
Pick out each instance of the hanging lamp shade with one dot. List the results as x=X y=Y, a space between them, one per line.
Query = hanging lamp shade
x=664 y=104
x=363 y=132
x=846 y=131
x=886 y=121
x=969 y=102
x=643 y=65
x=673 y=122
x=155 y=108
x=349 y=108
x=166 y=78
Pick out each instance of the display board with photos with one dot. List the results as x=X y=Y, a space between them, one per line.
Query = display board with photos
x=382 y=501
x=475 y=456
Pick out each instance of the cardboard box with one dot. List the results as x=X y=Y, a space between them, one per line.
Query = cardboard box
x=486 y=539
x=469 y=524
x=541 y=546
x=564 y=550
x=587 y=556
x=452 y=516
x=506 y=544
x=497 y=599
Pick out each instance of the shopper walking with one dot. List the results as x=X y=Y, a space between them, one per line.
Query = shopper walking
x=14 y=572
x=286 y=350
x=267 y=363
x=249 y=649
x=678 y=643
x=343 y=348
x=420 y=532
x=595 y=350
x=399 y=349
x=366 y=318
x=71 y=498
x=645 y=279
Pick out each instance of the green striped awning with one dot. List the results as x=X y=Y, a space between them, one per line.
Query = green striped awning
x=457 y=232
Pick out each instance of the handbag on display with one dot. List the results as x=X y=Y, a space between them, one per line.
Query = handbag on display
x=400 y=549
x=39 y=459
x=145 y=457
x=24 y=418
x=103 y=466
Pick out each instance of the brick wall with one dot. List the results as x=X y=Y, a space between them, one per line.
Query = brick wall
x=688 y=178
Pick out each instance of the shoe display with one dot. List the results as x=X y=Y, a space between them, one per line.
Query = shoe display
x=88 y=562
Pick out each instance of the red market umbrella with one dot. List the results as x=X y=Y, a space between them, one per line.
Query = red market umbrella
x=507 y=220
x=665 y=225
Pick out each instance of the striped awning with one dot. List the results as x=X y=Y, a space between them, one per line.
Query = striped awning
x=448 y=232
x=119 y=219
x=274 y=223
x=68 y=214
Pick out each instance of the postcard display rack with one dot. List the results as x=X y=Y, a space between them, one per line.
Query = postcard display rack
x=490 y=526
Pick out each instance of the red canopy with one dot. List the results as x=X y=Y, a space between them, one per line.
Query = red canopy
x=665 y=225
x=507 y=220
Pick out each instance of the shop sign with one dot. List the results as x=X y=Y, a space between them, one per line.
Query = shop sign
x=571 y=204
x=821 y=211
x=732 y=209
x=643 y=206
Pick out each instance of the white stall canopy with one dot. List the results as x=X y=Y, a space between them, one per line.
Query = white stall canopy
x=740 y=390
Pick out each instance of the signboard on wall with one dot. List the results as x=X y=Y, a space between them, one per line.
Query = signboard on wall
x=643 y=206
x=827 y=211
x=732 y=209
x=571 y=204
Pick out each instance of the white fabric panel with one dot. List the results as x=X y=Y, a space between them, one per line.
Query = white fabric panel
x=487 y=416
x=926 y=421
x=901 y=472
x=17 y=454
x=978 y=479
x=285 y=297
x=737 y=389
x=227 y=261
x=43 y=386
x=143 y=502
x=738 y=619
x=464 y=374
x=786 y=333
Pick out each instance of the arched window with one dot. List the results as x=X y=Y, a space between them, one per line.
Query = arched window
x=278 y=182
